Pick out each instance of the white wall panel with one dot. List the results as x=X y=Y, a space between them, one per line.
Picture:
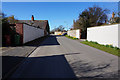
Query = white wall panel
x=74 y=33
x=30 y=33
x=119 y=35
x=104 y=34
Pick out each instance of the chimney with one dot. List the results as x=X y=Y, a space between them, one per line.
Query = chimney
x=113 y=14
x=32 y=18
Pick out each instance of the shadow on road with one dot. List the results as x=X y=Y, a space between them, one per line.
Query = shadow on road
x=12 y=57
x=87 y=70
x=48 y=66
x=55 y=67
x=9 y=63
x=51 y=40
x=42 y=67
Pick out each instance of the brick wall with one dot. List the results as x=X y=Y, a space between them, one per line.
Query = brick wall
x=19 y=30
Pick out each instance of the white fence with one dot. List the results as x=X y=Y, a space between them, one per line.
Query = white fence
x=30 y=33
x=74 y=33
x=59 y=33
x=104 y=34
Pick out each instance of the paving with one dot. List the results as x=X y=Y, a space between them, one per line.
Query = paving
x=13 y=56
x=60 y=57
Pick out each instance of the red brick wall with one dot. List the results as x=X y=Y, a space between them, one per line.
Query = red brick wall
x=19 y=29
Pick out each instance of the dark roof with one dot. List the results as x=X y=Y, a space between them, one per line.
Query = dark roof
x=36 y=23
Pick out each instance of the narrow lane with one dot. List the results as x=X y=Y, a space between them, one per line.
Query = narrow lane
x=60 y=57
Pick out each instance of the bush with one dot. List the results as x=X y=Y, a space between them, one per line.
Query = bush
x=116 y=48
x=93 y=42
x=102 y=45
x=107 y=45
x=111 y=46
x=74 y=38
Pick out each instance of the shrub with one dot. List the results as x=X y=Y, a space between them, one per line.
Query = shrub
x=93 y=42
x=71 y=37
x=111 y=46
x=107 y=45
x=102 y=45
x=116 y=48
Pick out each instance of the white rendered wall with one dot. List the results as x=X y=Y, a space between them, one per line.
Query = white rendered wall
x=58 y=33
x=74 y=33
x=78 y=33
x=104 y=34
x=119 y=35
x=30 y=33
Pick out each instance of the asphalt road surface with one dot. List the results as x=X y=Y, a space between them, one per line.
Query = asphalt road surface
x=60 y=57
x=13 y=56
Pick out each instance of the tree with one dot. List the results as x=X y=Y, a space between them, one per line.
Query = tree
x=6 y=21
x=12 y=20
x=93 y=16
x=76 y=24
x=118 y=14
x=0 y=18
x=60 y=28
x=90 y=17
x=3 y=18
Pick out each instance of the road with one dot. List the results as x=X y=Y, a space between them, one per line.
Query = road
x=60 y=57
x=13 y=56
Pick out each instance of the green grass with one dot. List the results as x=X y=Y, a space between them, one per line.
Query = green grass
x=107 y=48
x=71 y=37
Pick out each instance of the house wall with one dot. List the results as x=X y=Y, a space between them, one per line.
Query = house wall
x=104 y=34
x=74 y=33
x=30 y=33
x=19 y=29
x=45 y=33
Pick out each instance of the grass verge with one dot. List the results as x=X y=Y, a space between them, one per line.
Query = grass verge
x=71 y=37
x=107 y=48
